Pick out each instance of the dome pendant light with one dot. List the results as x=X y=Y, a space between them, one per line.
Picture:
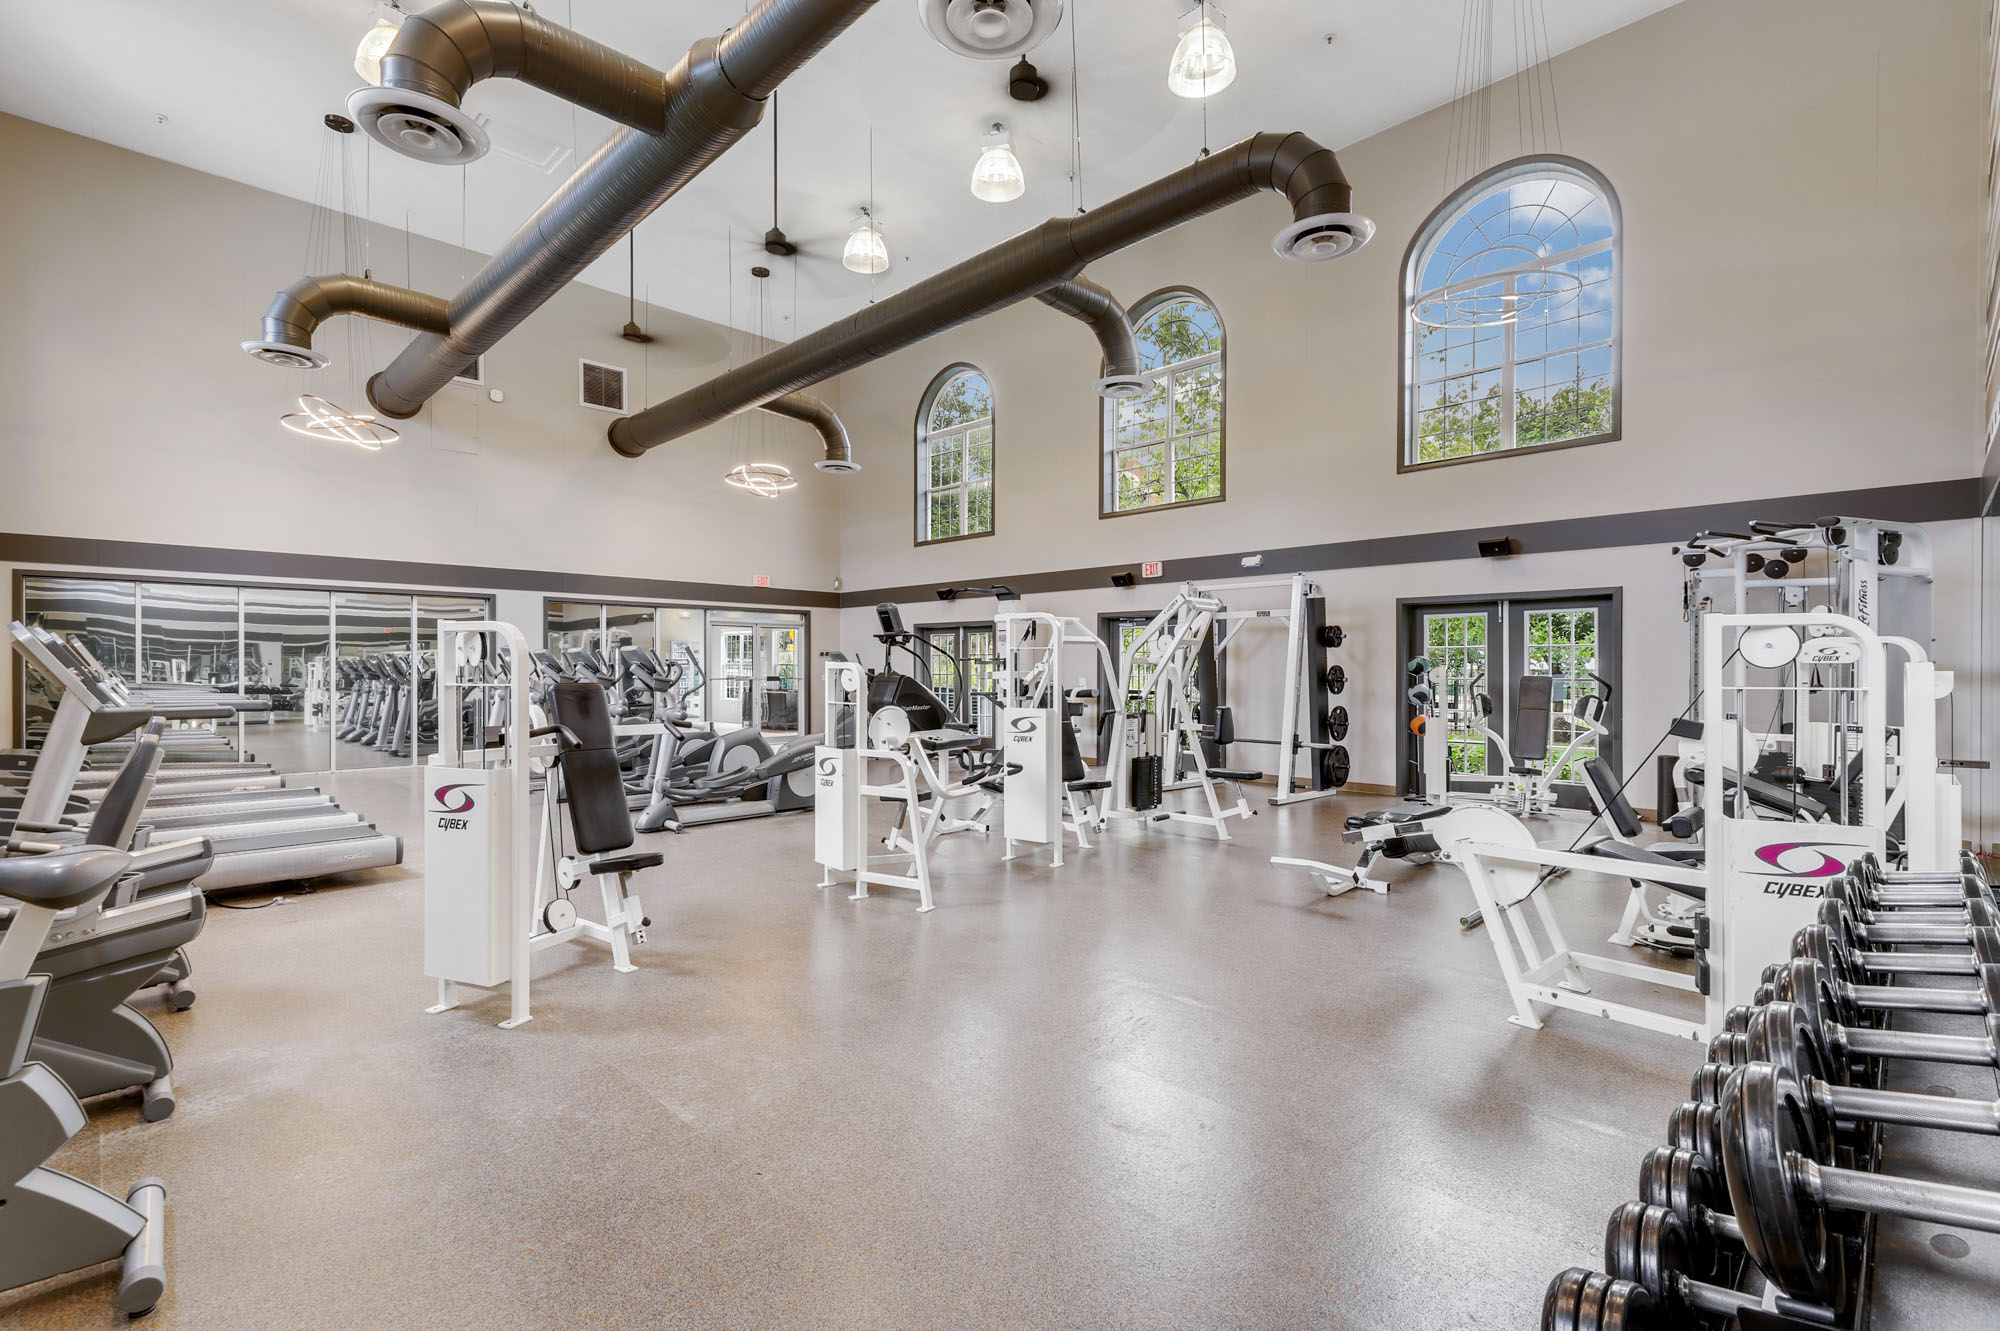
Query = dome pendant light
x=375 y=43
x=866 y=252
x=1204 y=63
x=997 y=175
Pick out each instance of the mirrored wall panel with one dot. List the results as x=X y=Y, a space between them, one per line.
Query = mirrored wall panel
x=736 y=667
x=349 y=675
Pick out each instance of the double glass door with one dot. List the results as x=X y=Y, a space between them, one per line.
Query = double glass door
x=1485 y=647
x=758 y=673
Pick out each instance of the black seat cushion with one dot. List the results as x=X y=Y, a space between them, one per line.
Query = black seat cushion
x=1234 y=774
x=61 y=878
x=1095 y=783
x=599 y=817
x=627 y=863
x=1630 y=854
x=1610 y=798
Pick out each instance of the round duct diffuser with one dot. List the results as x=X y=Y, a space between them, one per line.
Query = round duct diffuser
x=1122 y=385
x=1323 y=236
x=990 y=29
x=837 y=466
x=286 y=355
x=416 y=125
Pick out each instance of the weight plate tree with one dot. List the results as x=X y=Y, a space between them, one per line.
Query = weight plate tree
x=1326 y=732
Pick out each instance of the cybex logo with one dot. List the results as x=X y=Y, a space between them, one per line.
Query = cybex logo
x=1025 y=724
x=452 y=799
x=829 y=767
x=1803 y=859
x=1778 y=887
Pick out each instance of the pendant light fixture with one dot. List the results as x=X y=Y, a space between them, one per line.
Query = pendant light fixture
x=766 y=480
x=1204 y=63
x=388 y=21
x=997 y=176
x=866 y=251
x=318 y=418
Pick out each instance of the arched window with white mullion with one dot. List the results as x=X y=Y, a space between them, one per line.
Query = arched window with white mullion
x=955 y=457
x=1511 y=316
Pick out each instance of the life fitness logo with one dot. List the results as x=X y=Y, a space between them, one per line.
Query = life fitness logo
x=1806 y=866
x=452 y=800
x=1024 y=728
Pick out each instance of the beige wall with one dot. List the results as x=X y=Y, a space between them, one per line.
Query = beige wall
x=1800 y=188
x=130 y=413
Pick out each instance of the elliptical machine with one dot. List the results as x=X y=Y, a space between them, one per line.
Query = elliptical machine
x=50 y=1222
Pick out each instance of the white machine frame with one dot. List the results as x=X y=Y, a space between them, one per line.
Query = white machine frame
x=1756 y=897
x=483 y=895
x=1170 y=641
x=1039 y=806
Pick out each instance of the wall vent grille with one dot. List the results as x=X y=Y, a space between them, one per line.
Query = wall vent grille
x=602 y=386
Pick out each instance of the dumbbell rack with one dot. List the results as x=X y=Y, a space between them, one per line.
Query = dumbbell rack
x=1902 y=1274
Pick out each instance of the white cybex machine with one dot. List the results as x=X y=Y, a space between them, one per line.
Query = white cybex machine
x=1037 y=653
x=1763 y=873
x=487 y=906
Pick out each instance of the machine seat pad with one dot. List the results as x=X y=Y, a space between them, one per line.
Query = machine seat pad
x=1630 y=854
x=627 y=863
x=1094 y=783
x=1234 y=774
x=62 y=878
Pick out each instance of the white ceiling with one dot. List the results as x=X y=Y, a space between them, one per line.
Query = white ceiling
x=242 y=85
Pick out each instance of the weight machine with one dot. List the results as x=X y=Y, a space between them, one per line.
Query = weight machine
x=1155 y=737
x=858 y=733
x=1046 y=791
x=1305 y=709
x=1760 y=878
x=487 y=908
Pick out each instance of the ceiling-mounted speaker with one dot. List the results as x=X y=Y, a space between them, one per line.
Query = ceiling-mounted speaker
x=990 y=29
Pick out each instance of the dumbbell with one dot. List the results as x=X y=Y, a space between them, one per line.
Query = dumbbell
x=1877 y=928
x=1655 y=1249
x=1583 y=1300
x=1843 y=958
x=1687 y=1184
x=1813 y=989
x=1858 y=997
x=1867 y=903
x=1695 y=1127
x=1774 y=1161
x=1971 y=875
x=1784 y=1035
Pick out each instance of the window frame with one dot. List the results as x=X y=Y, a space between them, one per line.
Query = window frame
x=1108 y=407
x=920 y=456
x=1436 y=222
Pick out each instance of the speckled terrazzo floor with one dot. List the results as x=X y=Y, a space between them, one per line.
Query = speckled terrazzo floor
x=1166 y=1086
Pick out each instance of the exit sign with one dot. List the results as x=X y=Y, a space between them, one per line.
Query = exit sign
x=763 y=579
x=1150 y=569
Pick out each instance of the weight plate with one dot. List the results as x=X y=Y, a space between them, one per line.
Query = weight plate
x=1334 y=766
x=1331 y=635
x=1336 y=724
x=1335 y=678
x=1767 y=1129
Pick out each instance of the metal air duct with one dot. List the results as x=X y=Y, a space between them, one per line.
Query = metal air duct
x=714 y=95
x=301 y=307
x=839 y=457
x=1081 y=298
x=1322 y=227
x=439 y=54
x=694 y=112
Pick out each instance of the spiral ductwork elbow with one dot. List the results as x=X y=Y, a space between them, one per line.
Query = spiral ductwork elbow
x=1081 y=298
x=298 y=311
x=440 y=53
x=839 y=458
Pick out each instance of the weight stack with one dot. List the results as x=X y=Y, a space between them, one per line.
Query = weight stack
x=1145 y=782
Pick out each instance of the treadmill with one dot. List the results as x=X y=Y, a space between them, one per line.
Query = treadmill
x=302 y=842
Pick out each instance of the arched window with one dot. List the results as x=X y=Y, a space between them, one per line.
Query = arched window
x=1510 y=316
x=955 y=457
x=1165 y=446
